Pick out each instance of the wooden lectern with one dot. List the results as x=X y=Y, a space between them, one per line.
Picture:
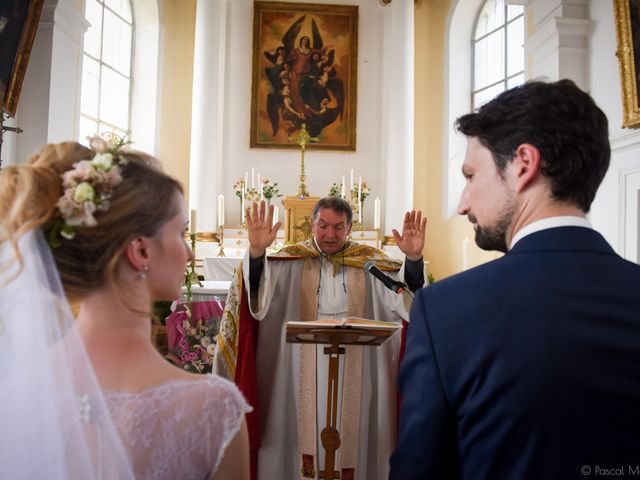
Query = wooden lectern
x=337 y=332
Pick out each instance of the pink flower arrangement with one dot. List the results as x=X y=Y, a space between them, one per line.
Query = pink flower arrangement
x=87 y=189
x=191 y=340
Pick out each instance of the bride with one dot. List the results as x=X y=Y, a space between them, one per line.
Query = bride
x=92 y=398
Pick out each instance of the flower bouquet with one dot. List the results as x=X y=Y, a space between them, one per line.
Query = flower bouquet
x=335 y=190
x=191 y=331
x=240 y=190
x=365 y=191
x=270 y=190
x=252 y=195
x=358 y=200
x=197 y=345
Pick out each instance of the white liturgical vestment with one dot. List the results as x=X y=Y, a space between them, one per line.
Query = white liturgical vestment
x=278 y=364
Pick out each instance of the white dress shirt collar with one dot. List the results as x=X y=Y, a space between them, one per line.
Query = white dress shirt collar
x=550 y=222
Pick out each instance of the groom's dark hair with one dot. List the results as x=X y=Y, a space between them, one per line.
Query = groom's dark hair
x=561 y=121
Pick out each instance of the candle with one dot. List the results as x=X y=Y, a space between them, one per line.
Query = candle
x=192 y=222
x=259 y=186
x=220 y=210
x=376 y=213
x=244 y=193
x=253 y=178
x=351 y=182
x=275 y=215
x=342 y=189
x=359 y=197
x=465 y=253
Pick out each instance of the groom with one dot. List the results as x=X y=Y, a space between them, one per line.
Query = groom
x=527 y=367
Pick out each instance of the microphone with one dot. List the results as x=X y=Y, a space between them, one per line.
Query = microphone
x=389 y=282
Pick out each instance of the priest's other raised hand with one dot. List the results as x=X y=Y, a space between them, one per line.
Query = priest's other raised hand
x=260 y=228
x=411 y=241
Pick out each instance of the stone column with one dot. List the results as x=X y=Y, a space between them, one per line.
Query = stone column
x=557 y=40
x=205 y=167
x=397 y=112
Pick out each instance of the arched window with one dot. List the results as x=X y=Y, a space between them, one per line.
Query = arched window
x=107 y=68
x=498 y=54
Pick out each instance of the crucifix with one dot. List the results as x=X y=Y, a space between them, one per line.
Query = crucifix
x=303 y=139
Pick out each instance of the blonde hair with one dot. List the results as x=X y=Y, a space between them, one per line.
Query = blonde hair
x=140 y=205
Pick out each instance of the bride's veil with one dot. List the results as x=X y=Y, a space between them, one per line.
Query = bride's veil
x=53 y=419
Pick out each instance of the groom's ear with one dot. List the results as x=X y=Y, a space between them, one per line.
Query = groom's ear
x=526 y=164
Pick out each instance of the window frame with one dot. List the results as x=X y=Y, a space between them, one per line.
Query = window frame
x=504 y=80
x=99 y=121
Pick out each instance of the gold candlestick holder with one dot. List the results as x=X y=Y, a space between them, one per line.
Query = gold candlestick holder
x=192 y=276
x=221 y=240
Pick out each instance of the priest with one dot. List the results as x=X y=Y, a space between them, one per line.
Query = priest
x=323 y=277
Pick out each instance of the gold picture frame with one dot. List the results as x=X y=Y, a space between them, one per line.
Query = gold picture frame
x=305 y=61
x=627 y=18
x=19 y=20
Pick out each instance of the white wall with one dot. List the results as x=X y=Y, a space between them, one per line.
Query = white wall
x=615 y=210
x=322 y=168
x=49 y=104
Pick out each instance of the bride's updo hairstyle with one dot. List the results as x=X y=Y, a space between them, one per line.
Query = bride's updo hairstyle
x=138 y=206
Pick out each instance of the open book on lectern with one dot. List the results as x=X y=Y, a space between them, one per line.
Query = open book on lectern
x=350 y=330
x=348 y=322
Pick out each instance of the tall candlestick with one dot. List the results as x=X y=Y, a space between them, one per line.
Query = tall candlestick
x=192 y=222
x=343 y=188
x=376 y=213
x=465 y=253
x=253 y=178
x=220 y=210
x=359 y=201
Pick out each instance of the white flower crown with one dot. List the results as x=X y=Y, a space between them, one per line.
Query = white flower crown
x=87 y=188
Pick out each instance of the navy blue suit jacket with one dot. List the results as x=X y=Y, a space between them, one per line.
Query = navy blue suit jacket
x=527 y=367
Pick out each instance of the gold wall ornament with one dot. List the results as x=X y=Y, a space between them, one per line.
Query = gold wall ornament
x=628 y=53
x=303 y=139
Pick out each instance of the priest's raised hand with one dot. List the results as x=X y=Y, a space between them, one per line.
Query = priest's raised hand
x=411 y=241
x=260 y=228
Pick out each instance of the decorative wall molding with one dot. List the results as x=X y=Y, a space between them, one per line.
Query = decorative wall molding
x=625 y=142
x=629 y=213
x=70 y=21
x=558 y=43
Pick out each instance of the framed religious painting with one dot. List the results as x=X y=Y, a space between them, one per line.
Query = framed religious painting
x=305 y=59
x=627 y=16
x=18 y=25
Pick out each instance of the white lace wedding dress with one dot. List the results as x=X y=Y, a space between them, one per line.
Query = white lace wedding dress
x=180 y=429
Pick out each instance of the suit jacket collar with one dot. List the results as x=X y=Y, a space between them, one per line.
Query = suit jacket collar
x=561 y=239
